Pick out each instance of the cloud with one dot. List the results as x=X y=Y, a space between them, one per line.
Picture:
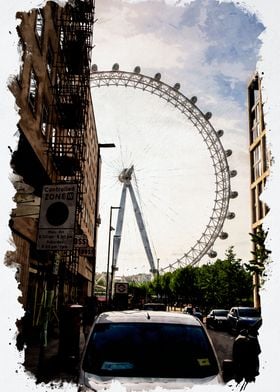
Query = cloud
x=201 y=45
x=190 y=43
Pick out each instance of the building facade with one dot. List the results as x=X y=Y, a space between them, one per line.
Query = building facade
x=57 y=146
x=259 y=163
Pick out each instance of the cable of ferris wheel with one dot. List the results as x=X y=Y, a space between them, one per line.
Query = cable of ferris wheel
x=121 y=148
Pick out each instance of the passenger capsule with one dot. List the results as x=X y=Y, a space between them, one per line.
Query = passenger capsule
x=115 y=67
x=94 y=68
x=231 y=215
x=212 y=254
x=228 y=153
x=233 y=194
x=157 y=76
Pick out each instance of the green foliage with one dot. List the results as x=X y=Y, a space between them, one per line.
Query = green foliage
x=222 y=284
x=225 y=282
x=260 y=254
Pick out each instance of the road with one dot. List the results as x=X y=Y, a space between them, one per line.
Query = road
x=222 y=342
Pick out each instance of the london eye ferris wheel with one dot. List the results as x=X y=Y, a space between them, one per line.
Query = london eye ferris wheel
x=165 y=165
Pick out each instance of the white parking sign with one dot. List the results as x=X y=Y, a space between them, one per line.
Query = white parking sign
x=57 y=217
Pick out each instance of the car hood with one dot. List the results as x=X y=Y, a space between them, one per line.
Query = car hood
x=130 y=384
x=249 y=320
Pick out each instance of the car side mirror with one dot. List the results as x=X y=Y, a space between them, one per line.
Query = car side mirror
x=227 y=370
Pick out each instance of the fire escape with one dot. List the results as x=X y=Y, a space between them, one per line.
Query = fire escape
x=70 y=112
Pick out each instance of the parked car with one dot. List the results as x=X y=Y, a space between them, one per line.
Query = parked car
x=197 y=313
x=217 y=319
x=154 y=306
x=147 y=350
x=194 y=311
x=241 y=317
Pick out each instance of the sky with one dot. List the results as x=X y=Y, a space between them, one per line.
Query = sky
x=210 y=48
x=189 y=43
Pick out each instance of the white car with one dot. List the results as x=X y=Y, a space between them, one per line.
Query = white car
x=144 y=350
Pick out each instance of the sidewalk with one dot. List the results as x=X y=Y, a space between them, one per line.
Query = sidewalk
x=47 y=364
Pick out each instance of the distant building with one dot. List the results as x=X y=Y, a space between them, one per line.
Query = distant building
x=136 y=278
x=57 y=145
x=259 y=159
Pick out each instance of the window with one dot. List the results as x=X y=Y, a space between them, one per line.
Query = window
x=53 y=139
x=33 y=89
x=39 y=24
x=21 y=50
x=49 y=60
x=57 y=78
x=256 y=94
x=256 y=127
x=254 y=205
x=45 y=115
x=61 y=39
x=257 y=162
x=221 y=313
x=260 y=203
x=250 y=312
x=149 y=350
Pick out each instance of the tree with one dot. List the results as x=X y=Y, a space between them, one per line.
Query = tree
x=257 y=266
x=182 y=283
x=223 y=283
x=234 y=279
x=218 y=285
x=260 y=253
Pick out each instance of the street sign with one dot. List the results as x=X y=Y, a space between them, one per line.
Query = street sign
x=121 y=288
x=80 y=241
x=87 y=252
x=57 y=217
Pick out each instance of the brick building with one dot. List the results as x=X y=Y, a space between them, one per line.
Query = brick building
x=260 y=162
x=57 y=145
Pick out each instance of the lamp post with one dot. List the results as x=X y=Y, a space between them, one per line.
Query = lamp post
x=158 y=278
x=113 y=268
x=96 y=224
x=109 y=248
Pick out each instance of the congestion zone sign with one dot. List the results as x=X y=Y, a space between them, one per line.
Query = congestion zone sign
x=57 y=217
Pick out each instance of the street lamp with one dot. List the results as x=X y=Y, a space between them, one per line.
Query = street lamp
x=100 y=145
x=113 y=268
x=109 y=247
x=158 y=278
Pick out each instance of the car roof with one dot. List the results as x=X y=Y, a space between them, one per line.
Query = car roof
x=149 y=316
x=243 y=307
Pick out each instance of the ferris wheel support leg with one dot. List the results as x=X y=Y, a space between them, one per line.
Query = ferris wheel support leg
x=142 y=229
x=118 y=232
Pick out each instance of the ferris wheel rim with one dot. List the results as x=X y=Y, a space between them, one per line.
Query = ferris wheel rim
x=210 y=137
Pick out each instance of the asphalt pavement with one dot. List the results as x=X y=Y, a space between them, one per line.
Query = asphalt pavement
x=48 y=364
x=223 y=343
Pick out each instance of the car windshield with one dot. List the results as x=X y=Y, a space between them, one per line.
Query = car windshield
x=221 y=312
x=150 y=350
x=249 y=313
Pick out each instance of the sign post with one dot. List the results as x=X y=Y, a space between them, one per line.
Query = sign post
x=57 y=217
